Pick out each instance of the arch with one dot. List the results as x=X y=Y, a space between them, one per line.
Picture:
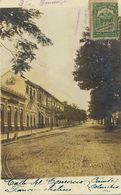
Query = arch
x=2 y=117
x=40 y=120
x=9 y=117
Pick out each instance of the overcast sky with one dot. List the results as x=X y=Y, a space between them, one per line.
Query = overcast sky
x=54 y=64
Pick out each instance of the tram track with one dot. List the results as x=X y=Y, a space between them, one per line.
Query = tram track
x=6 y=172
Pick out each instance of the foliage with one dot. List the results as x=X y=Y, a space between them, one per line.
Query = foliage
x=72 y=113
x=16 y=22
x=98 y=68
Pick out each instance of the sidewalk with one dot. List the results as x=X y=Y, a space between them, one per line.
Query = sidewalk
x=23 y=133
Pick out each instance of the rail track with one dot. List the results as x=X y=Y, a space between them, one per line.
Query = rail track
x=6 y=172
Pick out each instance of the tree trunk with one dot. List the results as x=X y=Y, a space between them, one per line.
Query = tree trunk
x=102 y=121
x=113 y=121
x=105 y=121
x=108 y=123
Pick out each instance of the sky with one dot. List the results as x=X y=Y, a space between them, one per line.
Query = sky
x=54 y=65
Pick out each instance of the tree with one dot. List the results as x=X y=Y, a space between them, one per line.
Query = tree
x=73 y=114
x=83 y=115
x=97 y=105
x=103 y=104
x=16 y=25
x=98 y=69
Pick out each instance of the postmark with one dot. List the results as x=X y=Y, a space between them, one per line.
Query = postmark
x=104 y=19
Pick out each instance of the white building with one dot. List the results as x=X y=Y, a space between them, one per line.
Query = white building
x=26 y=105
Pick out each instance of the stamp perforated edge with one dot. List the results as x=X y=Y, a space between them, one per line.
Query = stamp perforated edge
x=91 y=22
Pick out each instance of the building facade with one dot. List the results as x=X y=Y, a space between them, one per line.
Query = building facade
x=25 y=105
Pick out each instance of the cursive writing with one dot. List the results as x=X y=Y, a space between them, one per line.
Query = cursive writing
x=45 y=2
x=58 y=181
x=102 y=180
x=23 y=185
x=102 y=183
x=21 y=2
x=18 y=189
x=63 y=185
x=58 y=188
x=51 y=2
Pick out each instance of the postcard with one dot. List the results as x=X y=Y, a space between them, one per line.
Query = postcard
x=60 y=67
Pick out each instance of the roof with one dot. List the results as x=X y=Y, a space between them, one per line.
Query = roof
x=34 y=85
x=4 y=88
x=39 y=87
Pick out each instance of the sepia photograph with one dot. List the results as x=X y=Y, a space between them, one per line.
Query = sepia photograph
x=61 y=90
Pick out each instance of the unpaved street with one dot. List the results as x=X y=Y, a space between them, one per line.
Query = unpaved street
x=76 y=151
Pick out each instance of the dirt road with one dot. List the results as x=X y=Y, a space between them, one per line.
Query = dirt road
x=76 y=151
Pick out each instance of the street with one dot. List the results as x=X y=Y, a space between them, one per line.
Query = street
x=83 y=150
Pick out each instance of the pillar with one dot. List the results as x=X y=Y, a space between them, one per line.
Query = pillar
x=6 y=115
x=12 y=118
x=18 y=117
x=44 y=116
x=36 y=119
x=24 y=118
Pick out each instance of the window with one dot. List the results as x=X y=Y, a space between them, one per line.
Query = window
x=30 y=93
x=40 y=98
x=27 y=89
x=34 y=93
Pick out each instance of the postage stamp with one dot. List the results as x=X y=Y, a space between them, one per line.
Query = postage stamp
x=104 y=19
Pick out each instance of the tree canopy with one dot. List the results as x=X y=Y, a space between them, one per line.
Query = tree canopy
x=98 y=68
x=17 y=22
x=72 y=113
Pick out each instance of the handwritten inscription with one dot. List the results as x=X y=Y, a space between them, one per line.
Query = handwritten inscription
x=43 y=2
x=21 y=2
x=102 y=183
x=62 y=185
x=47 y=2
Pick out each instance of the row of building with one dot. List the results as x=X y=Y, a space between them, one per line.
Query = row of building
x=26 y=105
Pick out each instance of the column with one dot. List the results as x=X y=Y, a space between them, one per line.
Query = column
x=44 y=116
x=50 y=120
x=18 y=117
x=6 y=115
x=36 y=119
x=29 y=113
x=24 y=118
x=12 y=118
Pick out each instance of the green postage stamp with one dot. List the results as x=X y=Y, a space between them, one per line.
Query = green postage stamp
x=104 y=19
